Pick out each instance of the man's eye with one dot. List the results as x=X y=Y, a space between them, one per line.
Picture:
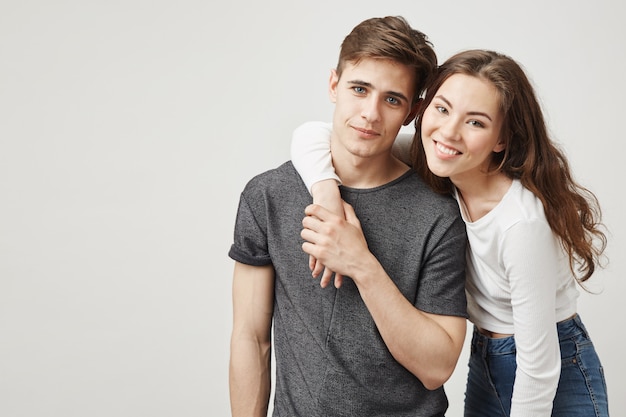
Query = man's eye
x=393 y=100
x=359 y=90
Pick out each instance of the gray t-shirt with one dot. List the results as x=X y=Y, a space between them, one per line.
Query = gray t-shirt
x=330 y=357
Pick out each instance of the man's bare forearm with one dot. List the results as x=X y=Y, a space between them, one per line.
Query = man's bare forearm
x=428 y=345
x=250 y=378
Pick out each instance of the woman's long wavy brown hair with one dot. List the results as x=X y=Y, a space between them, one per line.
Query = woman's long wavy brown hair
x=530 y=155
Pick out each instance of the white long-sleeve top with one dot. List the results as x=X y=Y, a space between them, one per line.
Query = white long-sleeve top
x=519 y=281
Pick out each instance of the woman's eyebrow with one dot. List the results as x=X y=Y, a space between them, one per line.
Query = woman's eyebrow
x=471 y=113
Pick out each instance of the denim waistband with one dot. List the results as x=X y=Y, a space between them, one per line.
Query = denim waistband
x=504 y=345
x=571 y=327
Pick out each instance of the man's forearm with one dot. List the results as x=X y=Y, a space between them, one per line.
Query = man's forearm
x=426 y=344
x=250 y=379
x=250 y=343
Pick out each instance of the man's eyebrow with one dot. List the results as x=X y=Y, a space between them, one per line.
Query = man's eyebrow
x=471 y=113
x=369 y=85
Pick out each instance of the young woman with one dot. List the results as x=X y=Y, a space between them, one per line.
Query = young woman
x=533 y=234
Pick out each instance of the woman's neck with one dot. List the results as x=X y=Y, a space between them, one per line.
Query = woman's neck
x=481 y=194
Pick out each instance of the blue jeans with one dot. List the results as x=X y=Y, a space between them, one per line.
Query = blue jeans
x=581 y=390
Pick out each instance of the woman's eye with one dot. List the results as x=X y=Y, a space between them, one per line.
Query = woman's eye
x=476 y=123
x=441 y=109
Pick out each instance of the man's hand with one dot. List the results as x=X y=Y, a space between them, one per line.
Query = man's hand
x=326 y=194
x=336 y=242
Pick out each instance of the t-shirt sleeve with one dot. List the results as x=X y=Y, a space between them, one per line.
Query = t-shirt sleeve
x=442 y=284
x=250 y=237
x=310 y=153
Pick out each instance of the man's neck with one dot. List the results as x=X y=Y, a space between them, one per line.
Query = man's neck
x=356 y=172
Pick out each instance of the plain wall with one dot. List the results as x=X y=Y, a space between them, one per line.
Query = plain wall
x=129 y=128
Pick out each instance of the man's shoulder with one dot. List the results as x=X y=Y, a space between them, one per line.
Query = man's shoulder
x=285 y=168
x=280 y=176
x=425 y=209
x=421 y=191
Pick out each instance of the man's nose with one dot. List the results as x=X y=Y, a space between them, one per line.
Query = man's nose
x=371 y=109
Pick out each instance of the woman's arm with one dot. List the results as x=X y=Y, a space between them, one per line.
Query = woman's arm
x=533 y=286
x=310 y=153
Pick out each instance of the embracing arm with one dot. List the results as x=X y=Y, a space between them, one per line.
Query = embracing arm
x=250 y=346
x=428 y=345
x=310 y=154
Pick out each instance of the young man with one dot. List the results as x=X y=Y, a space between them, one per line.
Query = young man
x=385 y=342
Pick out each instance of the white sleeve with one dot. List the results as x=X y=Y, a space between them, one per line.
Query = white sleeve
x=532 y=255
x=310 y=153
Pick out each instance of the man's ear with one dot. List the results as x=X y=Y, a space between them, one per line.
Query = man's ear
x=332 y=85
x=417 y=106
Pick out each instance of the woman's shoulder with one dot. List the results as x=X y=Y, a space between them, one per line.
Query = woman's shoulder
x=522 y=211
x=524 y=201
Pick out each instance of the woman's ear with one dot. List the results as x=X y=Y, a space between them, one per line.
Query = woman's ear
x=500 y=146
x=332 y=85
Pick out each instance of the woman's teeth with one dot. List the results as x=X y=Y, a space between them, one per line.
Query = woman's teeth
x=446 y=150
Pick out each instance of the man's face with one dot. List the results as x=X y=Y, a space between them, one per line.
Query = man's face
x=372 y=101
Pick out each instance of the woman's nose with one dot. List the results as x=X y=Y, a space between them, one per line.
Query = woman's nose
x=450 y=129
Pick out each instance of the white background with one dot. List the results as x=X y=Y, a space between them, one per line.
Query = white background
x=129 y=128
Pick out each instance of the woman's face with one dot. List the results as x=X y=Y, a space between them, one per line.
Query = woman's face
x=461 y=128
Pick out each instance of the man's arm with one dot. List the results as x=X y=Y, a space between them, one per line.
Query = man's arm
x=428 y=345
x=250 y=346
